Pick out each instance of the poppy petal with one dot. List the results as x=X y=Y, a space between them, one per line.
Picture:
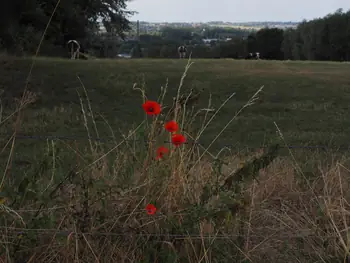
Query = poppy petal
x=160 y=152
x=171 y=126
x=150 y=209
x=151 y=107
x=177 y=139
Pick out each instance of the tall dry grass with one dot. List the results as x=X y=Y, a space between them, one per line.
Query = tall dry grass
x=222 y=207
x=210 y=207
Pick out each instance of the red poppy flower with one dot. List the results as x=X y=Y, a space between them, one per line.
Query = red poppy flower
x=177 y=139
x=151 y=107
x=171 y=126
x=161 y=151
x=150 y=209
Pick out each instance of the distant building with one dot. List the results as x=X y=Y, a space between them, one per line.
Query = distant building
x=124 y=55
x=209 y=40
x=102 y=28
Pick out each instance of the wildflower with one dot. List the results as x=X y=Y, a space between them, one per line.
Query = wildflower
x=150 y=209
x=177 y=139
x=151 y=107
x=161 y=151
x=171 y=126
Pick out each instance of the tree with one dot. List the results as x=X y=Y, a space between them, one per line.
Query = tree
x=136 y=51
x=73 y=19
x=201 y=51
x=320 y=39
x=168 y=51
x=288 y=42
x=179 y=35
x=252 y=44
x=269 y=43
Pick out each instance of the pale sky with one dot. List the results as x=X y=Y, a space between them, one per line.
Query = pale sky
x=233 y=10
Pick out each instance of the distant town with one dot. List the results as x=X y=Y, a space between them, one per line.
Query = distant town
x=152 y=27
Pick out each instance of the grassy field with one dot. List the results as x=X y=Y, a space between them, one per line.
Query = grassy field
x=82 y=186
x=308 y=101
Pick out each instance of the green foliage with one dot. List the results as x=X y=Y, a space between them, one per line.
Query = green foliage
x=269 y=42
x=168 y=51
x=320 y=39
x=136 y=51
x=23 y=23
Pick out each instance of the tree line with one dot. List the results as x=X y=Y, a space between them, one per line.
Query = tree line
x=22 y=24
x=326 y=39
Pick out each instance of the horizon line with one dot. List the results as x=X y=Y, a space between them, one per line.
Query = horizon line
x=201 y=22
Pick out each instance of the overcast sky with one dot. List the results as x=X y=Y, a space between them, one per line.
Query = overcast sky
x=233 y=10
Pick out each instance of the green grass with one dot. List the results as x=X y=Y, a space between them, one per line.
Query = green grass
x=308 y=101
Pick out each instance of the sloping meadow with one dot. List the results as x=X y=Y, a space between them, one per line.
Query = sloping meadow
x=214 y=194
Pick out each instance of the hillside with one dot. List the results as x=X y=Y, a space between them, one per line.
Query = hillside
x=309 y=101
x=70 y=198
